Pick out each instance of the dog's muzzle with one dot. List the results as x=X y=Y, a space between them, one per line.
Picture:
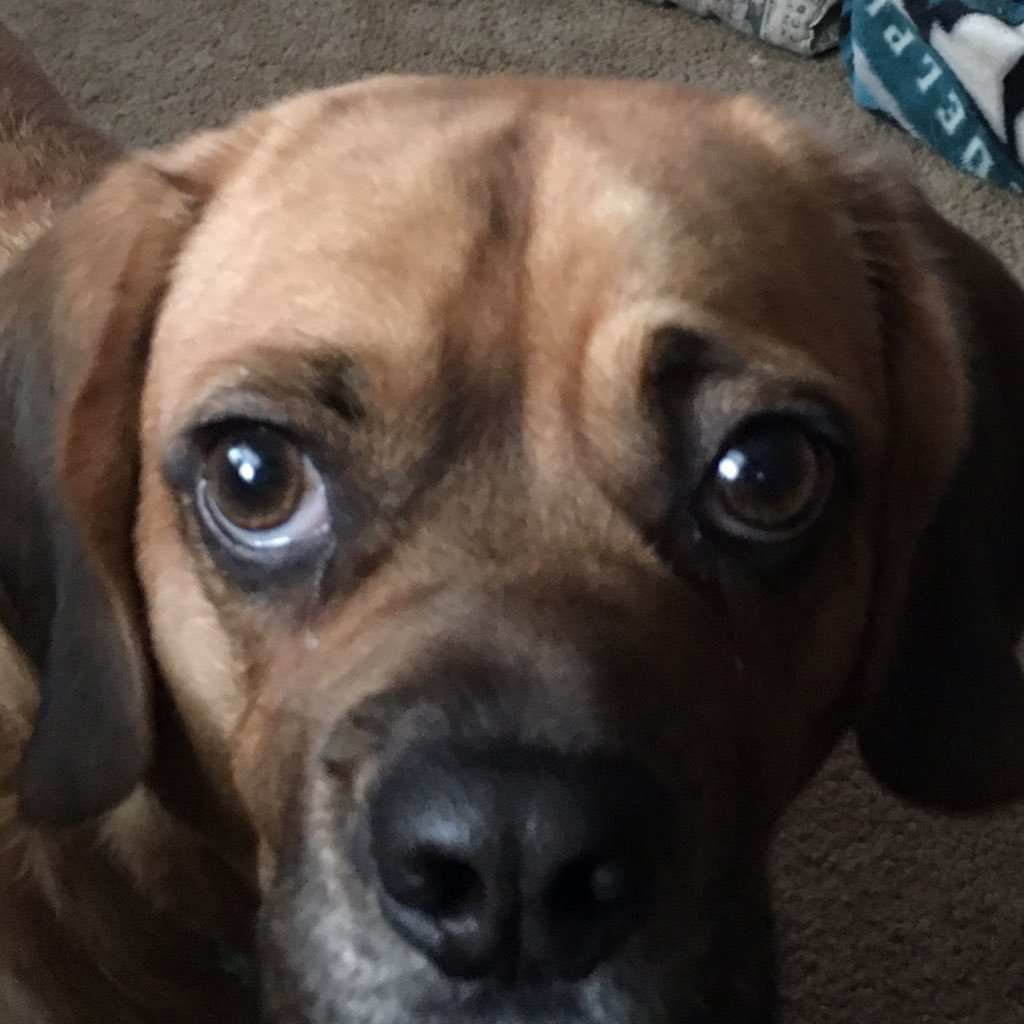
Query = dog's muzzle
x=497 y=836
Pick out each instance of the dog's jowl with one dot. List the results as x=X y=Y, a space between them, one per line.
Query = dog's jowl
x=445 y=525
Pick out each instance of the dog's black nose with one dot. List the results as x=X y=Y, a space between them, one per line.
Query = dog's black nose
x=515 y=862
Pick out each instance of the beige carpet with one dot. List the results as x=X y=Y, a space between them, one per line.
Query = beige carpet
x=889 y=916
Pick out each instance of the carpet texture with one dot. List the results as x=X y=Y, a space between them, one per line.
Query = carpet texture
x=889 y=916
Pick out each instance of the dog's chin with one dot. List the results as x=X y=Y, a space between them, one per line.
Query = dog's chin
x=328 y=957
x=600 y=999
x=519 y=1007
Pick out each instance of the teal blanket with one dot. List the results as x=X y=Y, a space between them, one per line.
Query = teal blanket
x=949 y=72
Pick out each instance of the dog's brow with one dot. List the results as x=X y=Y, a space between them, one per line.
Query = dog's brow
x=324 y=378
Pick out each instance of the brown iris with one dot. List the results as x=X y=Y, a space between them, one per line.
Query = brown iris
x=769 y=483
x=255 y=479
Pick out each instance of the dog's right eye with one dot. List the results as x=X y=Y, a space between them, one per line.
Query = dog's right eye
x=768 y=484
x=768 y=490
x=259 y=493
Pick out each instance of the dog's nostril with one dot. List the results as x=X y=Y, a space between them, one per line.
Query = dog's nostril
x=609 y=881
x=438 y=883
x=589 y=888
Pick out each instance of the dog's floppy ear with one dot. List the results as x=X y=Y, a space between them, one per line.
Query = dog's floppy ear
x=75 y=314
x=944 y=726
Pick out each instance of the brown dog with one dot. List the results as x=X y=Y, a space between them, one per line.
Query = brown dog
x=452 y=520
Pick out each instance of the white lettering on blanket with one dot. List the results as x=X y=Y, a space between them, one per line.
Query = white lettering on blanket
x=948 y=83
x=953 y=115
x=926 y=81
x=977 y=159
x=898 y=38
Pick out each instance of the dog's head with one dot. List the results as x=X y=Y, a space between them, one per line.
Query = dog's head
x=529 y=483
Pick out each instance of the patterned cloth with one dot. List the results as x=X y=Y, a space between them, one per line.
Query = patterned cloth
x=803 y=26
x=949 y=72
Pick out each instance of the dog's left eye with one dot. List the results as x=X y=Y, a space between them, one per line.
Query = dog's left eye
x=769 y=484
x=259 y=492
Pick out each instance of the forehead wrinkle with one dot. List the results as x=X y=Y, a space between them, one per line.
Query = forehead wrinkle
x=596 y=246
x=381 y=260
x=484 y=330
x=687 y=217
x=684 y=219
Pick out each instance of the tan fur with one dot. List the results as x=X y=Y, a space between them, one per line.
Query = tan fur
x=507 y=269
x=62 y=894
x=47 y=156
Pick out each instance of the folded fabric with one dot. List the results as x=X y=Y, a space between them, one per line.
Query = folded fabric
x=949 y=72
x=803 y=26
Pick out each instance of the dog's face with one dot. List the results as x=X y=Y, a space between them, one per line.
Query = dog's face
x=529 y=477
